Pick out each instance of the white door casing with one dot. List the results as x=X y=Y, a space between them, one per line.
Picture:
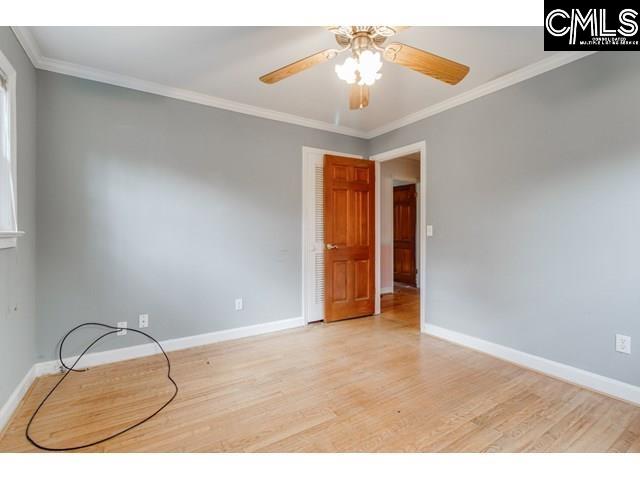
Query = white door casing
x=421 y=208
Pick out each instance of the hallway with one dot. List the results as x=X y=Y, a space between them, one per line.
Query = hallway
x=402 y=306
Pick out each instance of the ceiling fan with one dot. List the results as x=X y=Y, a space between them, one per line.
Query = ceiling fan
x=361 y=69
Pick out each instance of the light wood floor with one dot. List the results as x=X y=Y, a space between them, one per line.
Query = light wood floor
x=372 y=384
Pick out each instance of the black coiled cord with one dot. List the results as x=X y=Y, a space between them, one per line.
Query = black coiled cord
x=73 y=369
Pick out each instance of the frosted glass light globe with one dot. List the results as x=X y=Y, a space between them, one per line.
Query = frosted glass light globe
x=368 y=65
x=347 y=71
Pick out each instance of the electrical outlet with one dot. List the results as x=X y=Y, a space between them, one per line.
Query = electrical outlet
x=143 y=320
x=623 y=343
x=238 y=303
x=122 y=325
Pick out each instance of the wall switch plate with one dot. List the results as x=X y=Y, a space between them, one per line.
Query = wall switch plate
x=143 y=320
x=429 y=230
x=623 y=343
x=238 y=303
x=122 y=325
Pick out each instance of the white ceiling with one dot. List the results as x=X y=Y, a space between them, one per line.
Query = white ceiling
x=225 y=62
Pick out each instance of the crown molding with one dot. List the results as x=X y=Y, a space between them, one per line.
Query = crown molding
x=39 y=61
x=517 y=76
x=96 y=75
x=75 y=70
x=29 y=44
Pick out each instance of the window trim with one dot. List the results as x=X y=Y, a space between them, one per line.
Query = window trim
x=8 y=238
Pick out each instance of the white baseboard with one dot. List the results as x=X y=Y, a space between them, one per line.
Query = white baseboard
x=592 y=381
x=146 y=349
x=127 y=353
x=14 y=399
x=385 y=290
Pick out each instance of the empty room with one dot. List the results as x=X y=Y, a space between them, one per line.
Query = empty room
x=321 y=239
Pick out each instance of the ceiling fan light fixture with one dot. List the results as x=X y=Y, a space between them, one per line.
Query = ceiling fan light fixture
x=364 y=69
x=348 y=70
x=369 y=64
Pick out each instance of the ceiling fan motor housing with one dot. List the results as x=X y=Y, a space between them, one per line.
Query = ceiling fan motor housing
x=360 y=40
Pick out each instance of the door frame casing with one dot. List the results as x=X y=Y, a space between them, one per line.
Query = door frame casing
x=307 y=216
x=420 y=147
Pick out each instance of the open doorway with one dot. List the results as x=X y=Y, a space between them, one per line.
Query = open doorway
x=399 y=240
x=398 y=297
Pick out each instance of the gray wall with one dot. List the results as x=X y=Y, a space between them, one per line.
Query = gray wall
x=153 y=205
x=534 y=196
x=17 y=269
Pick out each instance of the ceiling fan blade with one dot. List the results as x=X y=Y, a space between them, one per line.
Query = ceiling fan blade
x=299 y=66
x=399 y=29
x=427 y=63
x=358 y=97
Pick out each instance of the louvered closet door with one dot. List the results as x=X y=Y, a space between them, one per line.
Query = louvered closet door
x=315 y=309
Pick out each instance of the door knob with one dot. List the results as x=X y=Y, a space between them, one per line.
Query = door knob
x=331 y=246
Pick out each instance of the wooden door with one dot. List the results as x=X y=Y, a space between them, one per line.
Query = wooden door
x=349 y=219
x=404 y=234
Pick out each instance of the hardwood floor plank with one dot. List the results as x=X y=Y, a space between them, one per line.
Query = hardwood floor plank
x=629 y=435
